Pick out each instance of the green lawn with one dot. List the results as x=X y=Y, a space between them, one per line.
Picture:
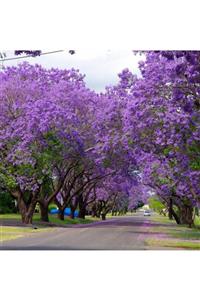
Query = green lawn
x=7 y=237
x=161 y=219
x=169 y=234
x=10 y=232
x=10 y=216
x=173 y=244
x=52 y=218
x=178 y=231
x=197 y=221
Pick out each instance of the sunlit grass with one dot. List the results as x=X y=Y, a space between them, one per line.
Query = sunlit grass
x=170 y=235
x=10 y=232
x=173 y=244
x=178 y=232
x=197 y=221
x=12 y=229
x=162 y=219
x=7 y=237
x=10 y=216
x=188 y=235
x=52 y=218
x=67 y=220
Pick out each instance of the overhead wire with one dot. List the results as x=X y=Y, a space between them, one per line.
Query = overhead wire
x=25 y=56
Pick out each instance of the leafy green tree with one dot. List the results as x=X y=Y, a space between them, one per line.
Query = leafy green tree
x=7 y=203
x=156 y=204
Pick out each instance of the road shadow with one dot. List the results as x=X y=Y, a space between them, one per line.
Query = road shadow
x=18 y=223
x=98 y=224
x=8 y=248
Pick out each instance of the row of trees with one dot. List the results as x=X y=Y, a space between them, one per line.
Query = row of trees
x=58 y=144
x=63 y=143
x=162 y=122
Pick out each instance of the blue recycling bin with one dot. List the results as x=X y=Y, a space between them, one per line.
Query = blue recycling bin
x=67 y=212
x=54 y=211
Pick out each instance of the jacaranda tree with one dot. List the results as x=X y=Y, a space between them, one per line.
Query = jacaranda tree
x=162 y=125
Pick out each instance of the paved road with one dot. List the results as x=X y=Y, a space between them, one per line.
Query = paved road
x=120 y=233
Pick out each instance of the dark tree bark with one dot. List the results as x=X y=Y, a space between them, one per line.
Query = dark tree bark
x=176 y=218
x=186 y=215
x=44 y=213
x=196 y=211
x=72 y=212
x=93 y=213
x=27 y=219
x=170 y=214
x=73 y=206
x=82 y=213
x=82 y=207
x=103 y=217
x=26 y=209
x=61 y=214
x=27 y=216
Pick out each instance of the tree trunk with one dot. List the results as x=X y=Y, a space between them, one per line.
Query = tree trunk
x=170 y=214
x=190 y=216
x=82 y=207
x=44 y=214
x=103 y=217
x=61 y=214
x=72 y=213
x=196 y=211
x=186 y=215
x=26 y=211
x=82 y=212
x=94 y=210
x=27 y=219
x=176 y=218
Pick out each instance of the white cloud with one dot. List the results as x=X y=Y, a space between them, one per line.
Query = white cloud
x=100 y=66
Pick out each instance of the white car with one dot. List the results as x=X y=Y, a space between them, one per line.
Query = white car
x=147 y=213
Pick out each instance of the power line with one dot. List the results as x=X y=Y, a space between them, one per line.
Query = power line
x=25 y=56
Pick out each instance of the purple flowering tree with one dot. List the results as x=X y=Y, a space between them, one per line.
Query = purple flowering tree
x=41 y=122
x=51 y=145
x=61 y=142
x=162 y=127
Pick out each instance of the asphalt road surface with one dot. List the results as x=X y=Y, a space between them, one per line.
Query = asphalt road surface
x=119 y=233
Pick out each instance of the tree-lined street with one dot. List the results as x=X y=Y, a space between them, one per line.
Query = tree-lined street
x=134 y=232
x=122 y=233
x=69 y=151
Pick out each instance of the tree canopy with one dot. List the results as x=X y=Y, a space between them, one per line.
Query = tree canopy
x=61 y=142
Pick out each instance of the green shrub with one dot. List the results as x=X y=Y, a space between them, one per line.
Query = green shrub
x=156 y=205
x=52 y=206
x=7 y=203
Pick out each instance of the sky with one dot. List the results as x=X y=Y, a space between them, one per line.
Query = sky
x=100 y=66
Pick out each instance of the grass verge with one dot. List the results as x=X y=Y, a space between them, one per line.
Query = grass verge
x=11 y=233
x=173 y=244
x=52 y=218
x=10 y=216
x=173 y=235
x=197 y=221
